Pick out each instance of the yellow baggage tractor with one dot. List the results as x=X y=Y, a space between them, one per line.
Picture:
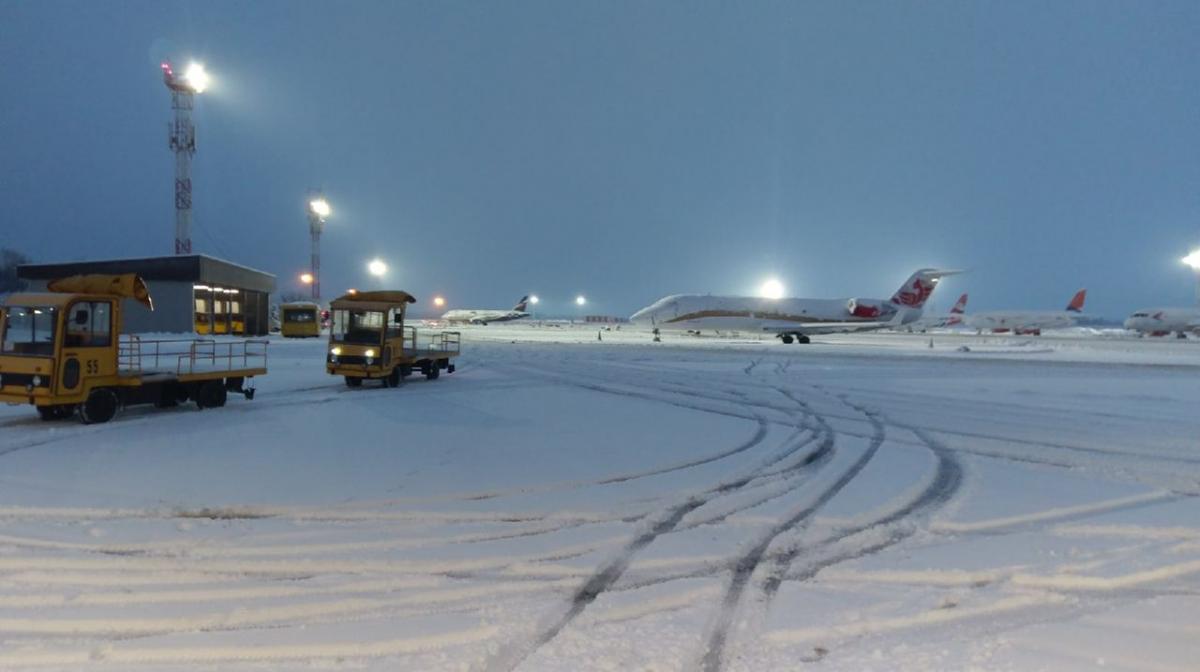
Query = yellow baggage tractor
x=368 y=339
x=62 y=351
x=300 y=319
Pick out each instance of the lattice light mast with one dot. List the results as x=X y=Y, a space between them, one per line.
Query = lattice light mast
x=318 y=210
x=181 y=135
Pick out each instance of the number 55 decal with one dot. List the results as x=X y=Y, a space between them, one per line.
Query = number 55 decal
x=93 y=367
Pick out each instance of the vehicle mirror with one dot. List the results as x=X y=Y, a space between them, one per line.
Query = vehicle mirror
x=399 y=318
x=81 y=317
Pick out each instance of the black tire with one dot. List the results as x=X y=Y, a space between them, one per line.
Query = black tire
x=432 y=371
x=786 y=338
x=393 y=378
x=803 y=339
x=211 y=394
x=101 y=406
x=56 y=412
x=352 y=381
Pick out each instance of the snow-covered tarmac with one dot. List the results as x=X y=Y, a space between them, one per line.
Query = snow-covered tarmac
x=865 y=502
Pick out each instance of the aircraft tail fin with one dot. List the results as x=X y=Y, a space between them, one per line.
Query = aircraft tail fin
x=919 y=287
x=522 y=304
x=960 y=306
x=1076 y=304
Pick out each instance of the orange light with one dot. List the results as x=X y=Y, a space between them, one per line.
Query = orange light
x=439 y=301
x=306 y=278
x=352 y=291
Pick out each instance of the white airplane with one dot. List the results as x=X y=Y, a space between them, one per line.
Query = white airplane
x=953 y=319
x=791 y=319
x=472 y=316
x=1028 y=321
x=1162 y=321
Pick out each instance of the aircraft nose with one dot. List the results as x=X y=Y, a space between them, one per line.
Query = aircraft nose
x=1130 y=323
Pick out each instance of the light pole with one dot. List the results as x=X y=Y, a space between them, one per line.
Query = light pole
x=377 y=268
x=1193 y=260
x=580 y=301
x=181 y=138
x=318 y=210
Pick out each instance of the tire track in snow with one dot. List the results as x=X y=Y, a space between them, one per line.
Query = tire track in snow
x=668 y=521
x=712 y=658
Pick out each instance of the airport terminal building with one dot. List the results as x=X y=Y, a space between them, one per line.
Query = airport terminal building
x=192 y=294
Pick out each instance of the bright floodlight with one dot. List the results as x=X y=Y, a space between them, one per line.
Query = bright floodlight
x=377 y=268
x=439 y=301
x=534 y=299
x=196 y=77
x=320 y=207
x=1193 y=260
x=771 y=289
x=580 y=301
x=306 y=278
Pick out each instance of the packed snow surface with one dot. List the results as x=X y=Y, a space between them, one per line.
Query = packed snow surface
x=575 y=498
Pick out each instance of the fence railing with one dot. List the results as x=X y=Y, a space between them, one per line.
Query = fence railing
x=449 y=342
x=187 y=356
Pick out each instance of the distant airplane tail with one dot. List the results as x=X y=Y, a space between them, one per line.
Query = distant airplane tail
x=1076 y=304
x=919 y=287
x=522 y=304
x=957 y=312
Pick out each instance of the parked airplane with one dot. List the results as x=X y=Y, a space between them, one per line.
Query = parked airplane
x=472 y=316
x=1028 y=321
x=1162 y=321
x=792 y=319
x=953 y=319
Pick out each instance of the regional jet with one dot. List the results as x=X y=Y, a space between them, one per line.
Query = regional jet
x=472 y=316
x=792 y=320
x=1163 y=321
x=1028 y=321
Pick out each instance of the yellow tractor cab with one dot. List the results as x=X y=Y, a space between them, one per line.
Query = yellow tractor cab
x=301 y=319
x=368 y=339
x=62 y=351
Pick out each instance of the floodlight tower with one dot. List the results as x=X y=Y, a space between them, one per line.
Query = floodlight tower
x=318 y=210
x=181 y=135
x=1193 y=260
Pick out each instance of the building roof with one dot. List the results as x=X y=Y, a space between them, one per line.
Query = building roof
x=189 y=268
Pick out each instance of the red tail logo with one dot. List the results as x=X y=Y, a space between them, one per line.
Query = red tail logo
x=960 y=306
x=1076 y=304
x=914 y=295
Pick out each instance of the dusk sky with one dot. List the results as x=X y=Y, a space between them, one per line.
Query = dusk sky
x=625 y=150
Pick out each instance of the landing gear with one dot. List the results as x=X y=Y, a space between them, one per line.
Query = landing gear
x=794 y=338
x=101 y=406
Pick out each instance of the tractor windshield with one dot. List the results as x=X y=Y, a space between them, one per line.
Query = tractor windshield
x=358 y=326
x=29 y=330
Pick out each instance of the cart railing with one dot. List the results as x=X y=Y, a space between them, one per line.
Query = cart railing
x=188 y=356
x=441 y=342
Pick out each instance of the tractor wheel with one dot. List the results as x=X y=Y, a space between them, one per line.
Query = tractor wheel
x=101 y=406
x=56 y=412
x=353 y=381
x=211 y=394
x=803 y=339
x=432 y=371
x=786 y=338
x=393 y=378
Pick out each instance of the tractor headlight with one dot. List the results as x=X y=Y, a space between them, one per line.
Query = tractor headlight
x=333 y=354
x=370 y=355
x=37 y=381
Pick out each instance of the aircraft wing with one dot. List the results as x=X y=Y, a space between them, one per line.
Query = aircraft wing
x=814 y=328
